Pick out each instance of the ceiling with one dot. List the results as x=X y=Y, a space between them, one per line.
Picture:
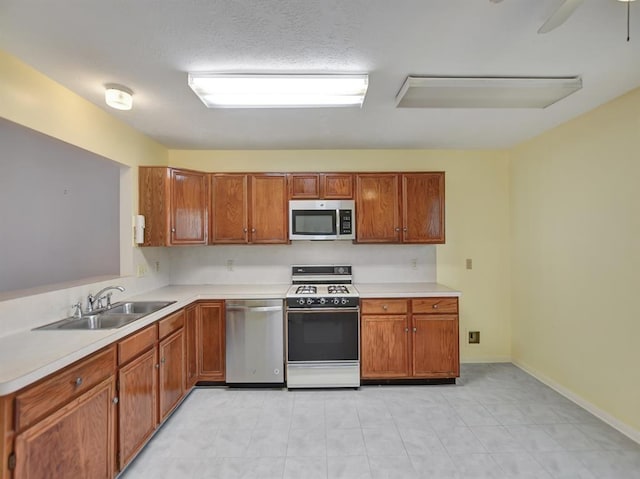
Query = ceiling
x=149 y=45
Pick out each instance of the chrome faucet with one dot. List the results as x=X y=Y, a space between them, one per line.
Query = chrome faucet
x=95 y=301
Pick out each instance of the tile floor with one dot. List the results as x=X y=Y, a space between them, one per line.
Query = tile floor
x=497 y=422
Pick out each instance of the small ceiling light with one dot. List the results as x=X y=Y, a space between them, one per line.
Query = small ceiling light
x=118 y=97
x=490 y=92
x=278 y=91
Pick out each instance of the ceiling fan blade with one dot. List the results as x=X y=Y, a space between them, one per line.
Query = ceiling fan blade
x=560 y=16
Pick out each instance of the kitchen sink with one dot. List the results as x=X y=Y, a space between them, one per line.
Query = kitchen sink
x=119 y=315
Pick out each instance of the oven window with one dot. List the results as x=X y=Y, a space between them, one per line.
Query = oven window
x=322 y=336
x=314 y=222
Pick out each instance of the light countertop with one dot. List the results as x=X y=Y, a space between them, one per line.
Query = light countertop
x=28 y=356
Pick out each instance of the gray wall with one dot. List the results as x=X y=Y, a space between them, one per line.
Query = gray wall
x=59 y=208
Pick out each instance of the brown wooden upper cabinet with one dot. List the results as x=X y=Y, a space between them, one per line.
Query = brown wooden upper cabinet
x=328 y=186
x=249 y=208
x=175 y=205
x=400 y=208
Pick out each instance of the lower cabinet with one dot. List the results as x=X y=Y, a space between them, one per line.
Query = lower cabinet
x=65 y=426
x=409 y=338
x=138 y=393
x=172 y=372
x=210 y=341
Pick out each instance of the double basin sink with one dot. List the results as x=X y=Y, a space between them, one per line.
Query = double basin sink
x=117 y=316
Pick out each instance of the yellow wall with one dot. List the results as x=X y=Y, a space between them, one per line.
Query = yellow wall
x=33 y=100
x=575 y=226
x=476 y=221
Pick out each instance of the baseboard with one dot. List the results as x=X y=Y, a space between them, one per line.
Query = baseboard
x=490 y=359
x=625 y=429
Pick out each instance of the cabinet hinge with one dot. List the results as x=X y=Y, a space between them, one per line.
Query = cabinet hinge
x=12 y=461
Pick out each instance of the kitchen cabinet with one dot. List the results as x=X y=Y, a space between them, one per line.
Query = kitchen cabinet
x=320 y=186
x=400 y=208
x=172 y=367
x=210 y=338
x=66 y=422
x=137 y=391
x=409 y=338
x=191 y=343
x=249 y=208
x=175 y=204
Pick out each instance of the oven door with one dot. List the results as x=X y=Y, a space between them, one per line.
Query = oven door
x=323 y=335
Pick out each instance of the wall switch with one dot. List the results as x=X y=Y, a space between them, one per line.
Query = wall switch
x=230 y=264
x=474 y=337
x=469 y=263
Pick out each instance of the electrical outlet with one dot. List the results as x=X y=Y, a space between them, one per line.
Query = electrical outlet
x=474 y=337
x=469 y=263
x=141 y=270
x=157 y=266
x=414 y=263
x=230 y=264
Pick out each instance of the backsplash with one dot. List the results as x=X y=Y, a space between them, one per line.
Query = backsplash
x=242 y=264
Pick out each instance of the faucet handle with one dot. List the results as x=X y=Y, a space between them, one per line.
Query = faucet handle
x=108 y=296
x=78 y=310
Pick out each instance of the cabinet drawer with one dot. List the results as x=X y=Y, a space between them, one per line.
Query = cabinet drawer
x=384 y=306
x=137 y=343
x=170 y=324
x=434 y=305
x=58 y=389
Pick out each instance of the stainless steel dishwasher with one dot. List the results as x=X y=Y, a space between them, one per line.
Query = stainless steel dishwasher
x=255 y=342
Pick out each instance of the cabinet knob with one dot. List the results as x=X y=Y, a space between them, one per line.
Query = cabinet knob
x=157 y=366
x=385 y=307
x=253 y=230
x=404 y=229
x=78 y=382
x=406 y=330
x=115 y=400
x=245 y=230
x=173 y=230
x=397 y=229
x=415 y=329
x=163 y=360
x=435 y=306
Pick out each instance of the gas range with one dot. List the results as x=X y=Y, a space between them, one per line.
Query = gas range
x=322 y=287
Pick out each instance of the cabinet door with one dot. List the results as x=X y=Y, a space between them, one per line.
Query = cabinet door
x=189 y=207
x=336 y=186
x=138 y=393
x=76 y=441
x=211 y=341
x=377 y=208
x=423 y=208
x=229 y=209
x=172 y=372
x=435 y=345
x=269 y=209
x=191 y=320
x=304 y=186
x=384 y=346
x=153 y=203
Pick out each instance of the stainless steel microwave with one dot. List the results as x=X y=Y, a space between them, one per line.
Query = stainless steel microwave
x=322 y=220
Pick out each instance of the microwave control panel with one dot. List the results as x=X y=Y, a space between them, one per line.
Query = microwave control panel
x=346 y=227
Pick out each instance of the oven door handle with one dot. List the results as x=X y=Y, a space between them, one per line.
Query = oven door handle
x=258 y=309
x=323 y=310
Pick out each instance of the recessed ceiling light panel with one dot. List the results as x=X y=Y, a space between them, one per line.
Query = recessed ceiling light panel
x=278 y=91
x=488 y=92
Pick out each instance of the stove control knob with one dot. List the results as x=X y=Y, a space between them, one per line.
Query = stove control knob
x=309 y=301
x=344 y=300
x=340 y=270
x=323 y=300
x=336 y=301
x=301 y=301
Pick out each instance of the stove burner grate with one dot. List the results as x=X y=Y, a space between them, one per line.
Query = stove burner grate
x=306 y=289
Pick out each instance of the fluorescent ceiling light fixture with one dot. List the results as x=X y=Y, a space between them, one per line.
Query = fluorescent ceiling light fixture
x=489 y=92
x=278 y=91
x=118 y=97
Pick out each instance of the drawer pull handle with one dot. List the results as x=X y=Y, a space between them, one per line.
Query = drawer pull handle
x=78 y=382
